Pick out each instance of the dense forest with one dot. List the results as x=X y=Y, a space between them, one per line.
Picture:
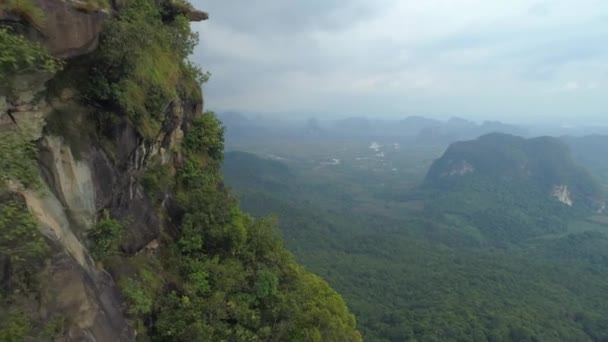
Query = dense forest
x=470 y=262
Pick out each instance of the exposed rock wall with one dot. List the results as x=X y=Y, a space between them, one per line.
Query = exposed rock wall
x=75 y=191
x=70 y=179
x=78 y=185
x=562 y=194
x=66 y=207
x=26 y=108
x=68 y=32
x=71 y=28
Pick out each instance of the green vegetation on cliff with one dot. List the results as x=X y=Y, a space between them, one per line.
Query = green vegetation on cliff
x=141 y=66
x=17 y=160
x=105 y=237
x=19 y=55
x=232 y=279
x=22 y=249
x=21 y=246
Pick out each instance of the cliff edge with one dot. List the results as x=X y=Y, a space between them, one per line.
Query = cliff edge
x=114 y=221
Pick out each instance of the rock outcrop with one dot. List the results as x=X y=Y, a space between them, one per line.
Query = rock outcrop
x=68 y=32
x=66 y=207
x=459 y=168
x=196 y=15
x=562 y=194
x=72 y=28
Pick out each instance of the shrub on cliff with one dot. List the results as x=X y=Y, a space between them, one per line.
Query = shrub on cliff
x=236 y=280
x=105 y=237
x=19 y=55
x=140 y=65
x=206 y=136
x=17 y=160
x=22 y=245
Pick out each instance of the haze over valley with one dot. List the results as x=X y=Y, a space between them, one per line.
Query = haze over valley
x=437 y=230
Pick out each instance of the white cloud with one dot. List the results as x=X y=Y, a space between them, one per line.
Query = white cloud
x=571 y=85
x=474 y=57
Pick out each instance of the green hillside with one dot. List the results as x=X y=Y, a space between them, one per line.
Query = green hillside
x=511 y=188
x=542 y=163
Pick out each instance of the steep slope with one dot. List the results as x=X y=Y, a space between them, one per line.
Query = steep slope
x=512 y=187
x=114 y=220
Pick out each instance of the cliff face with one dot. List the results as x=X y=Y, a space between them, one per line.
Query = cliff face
x=81 y=180
x=73 y=193
x=114 y=220
x=75 y=190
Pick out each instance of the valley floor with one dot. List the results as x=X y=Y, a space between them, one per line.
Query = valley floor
x=409 y=272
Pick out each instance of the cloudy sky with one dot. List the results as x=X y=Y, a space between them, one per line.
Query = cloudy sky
x=515 y=60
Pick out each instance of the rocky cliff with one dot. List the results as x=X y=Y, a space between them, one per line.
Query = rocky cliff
x=107 y=163
x=75 y=189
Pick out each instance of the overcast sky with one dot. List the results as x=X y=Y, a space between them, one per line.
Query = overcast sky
x=514 y=60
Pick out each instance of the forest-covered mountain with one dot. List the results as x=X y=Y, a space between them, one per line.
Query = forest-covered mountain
x=510 y=187
x=543 y=163
x=427 y=267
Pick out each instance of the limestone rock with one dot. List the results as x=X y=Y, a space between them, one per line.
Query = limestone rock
x=92 y=306
x=67 y=32
x=196 y=15
x=71 y=179
x=562 y=194
x=188 y=11
x=26 y=109
x=55 y=225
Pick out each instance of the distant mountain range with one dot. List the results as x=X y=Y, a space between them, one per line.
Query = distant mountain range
x=421 y=129
x=414 y=129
